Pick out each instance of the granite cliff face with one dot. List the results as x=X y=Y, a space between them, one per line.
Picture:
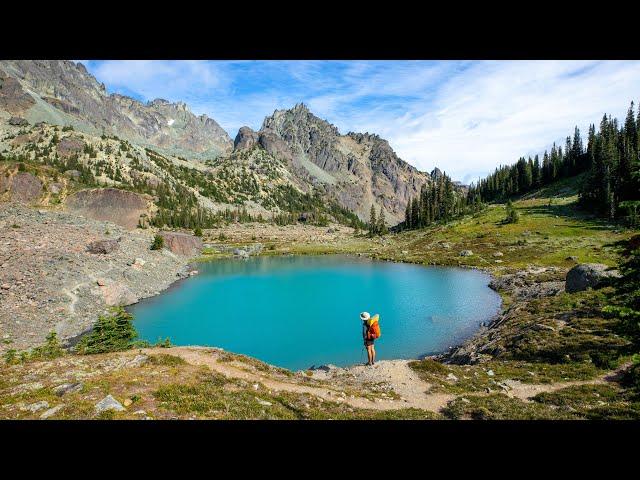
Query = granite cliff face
x=357 y=169
x=64 y=93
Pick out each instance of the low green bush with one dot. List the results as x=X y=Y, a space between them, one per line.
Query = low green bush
x=158 y=243
x=112 y=333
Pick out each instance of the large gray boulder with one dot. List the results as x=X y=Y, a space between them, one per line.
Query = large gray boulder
x=182 y=243
x=588 y=275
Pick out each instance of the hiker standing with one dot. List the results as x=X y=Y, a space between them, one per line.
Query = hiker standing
x=370 y=331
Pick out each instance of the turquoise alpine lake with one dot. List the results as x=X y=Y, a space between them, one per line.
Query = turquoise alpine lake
x=300 y=311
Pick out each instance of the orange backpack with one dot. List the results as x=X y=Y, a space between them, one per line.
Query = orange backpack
x=373 y=330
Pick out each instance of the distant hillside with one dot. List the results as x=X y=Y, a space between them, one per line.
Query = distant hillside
x=62 y=92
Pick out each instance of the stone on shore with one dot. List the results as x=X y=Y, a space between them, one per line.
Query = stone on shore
x=588 y=275
x=108 y=403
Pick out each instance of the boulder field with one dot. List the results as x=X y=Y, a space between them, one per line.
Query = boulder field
x=60 y=271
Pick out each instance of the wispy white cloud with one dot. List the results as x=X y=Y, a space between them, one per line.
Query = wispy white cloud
x=464 y=117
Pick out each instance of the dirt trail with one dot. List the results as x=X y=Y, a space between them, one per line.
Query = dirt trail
x=525 y=391
x=397 y=372
x=404 y=381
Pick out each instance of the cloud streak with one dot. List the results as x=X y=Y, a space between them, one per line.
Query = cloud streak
x=464 y=117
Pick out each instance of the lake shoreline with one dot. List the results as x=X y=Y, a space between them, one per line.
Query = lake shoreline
x=478 y=332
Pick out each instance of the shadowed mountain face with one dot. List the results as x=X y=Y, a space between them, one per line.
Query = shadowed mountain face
x=293 y=147
x=62 y=92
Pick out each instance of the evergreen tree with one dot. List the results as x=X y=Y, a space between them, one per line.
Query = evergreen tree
x=382 y=223
x=373 y=223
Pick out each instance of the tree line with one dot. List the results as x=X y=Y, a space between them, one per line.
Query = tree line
x=438 y=201
x=610 y=185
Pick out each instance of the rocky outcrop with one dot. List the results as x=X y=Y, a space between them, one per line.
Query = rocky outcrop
x=65 y=93
x=523 y=285
x=23 y=187
x=273 y=144
x=103 y=246
x=588 y=275
x=109 y=204
x=182 y=243
x=245 y=139
x=69 y=146
x=13 y=98
x=115 y=293
x=18 y=122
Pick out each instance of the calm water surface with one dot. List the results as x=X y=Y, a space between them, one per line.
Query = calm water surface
x=299 y=311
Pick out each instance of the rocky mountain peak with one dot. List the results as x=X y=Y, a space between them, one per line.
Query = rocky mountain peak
x=64 y=93
x=246 y=138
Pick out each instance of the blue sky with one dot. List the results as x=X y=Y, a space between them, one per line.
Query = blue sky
x=465 y=117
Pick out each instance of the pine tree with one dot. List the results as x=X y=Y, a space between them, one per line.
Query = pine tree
x=373 y=223
x=382 y=223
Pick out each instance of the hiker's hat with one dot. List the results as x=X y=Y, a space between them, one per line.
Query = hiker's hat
x=365 y=316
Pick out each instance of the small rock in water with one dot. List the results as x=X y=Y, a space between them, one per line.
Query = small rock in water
x=109 y=403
